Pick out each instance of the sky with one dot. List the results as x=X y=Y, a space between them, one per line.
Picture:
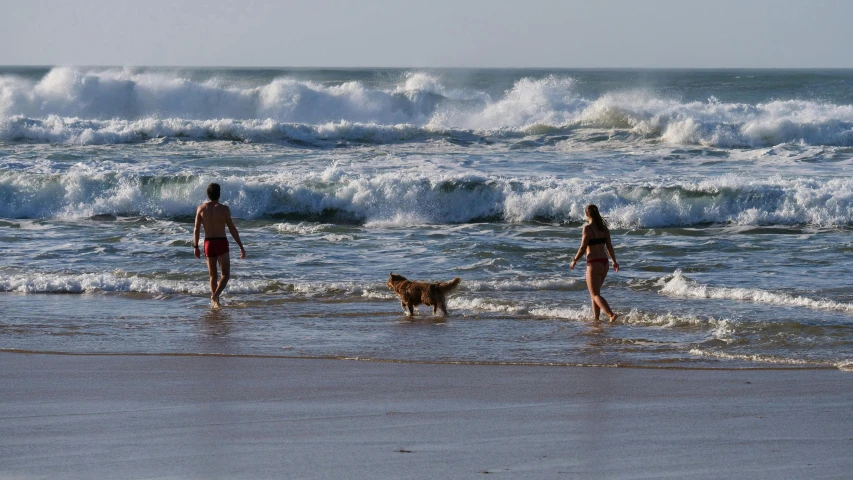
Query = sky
x=430 y=33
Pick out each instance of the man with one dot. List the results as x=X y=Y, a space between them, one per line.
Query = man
x=214 y=217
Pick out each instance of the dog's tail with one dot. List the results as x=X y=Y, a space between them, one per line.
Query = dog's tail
x=447 y=287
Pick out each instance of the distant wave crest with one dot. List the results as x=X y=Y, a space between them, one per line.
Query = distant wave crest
x=88 y=106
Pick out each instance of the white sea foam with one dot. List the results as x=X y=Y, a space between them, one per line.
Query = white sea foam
x=567 y=313
x=121 y=282
x=95 y=282
x=525 y=285
x=484 y=305
x=399 y=219
x=301 y=228
x=844 y=365
x=679 y=285
x=378 y=294
x=89 y=106
x=515 y=308
x=720 y=327
x=405 y=199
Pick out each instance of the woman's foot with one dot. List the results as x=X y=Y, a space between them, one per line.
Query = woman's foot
x=215 y=302
x=613 y=317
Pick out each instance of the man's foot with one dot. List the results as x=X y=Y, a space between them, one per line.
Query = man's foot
x=215 y=302
x=613 y=317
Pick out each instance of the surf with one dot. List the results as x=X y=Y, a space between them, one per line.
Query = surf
x=405 y=198
x=74 y=105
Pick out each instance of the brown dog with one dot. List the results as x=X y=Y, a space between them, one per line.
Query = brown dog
x=413 y=294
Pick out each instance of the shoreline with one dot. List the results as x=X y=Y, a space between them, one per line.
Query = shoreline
x=132 y=416
x=781 y=367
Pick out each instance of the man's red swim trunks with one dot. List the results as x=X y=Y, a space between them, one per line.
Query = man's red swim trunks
x=216 y=246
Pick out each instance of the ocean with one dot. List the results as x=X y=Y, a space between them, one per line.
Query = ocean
x=729 y=194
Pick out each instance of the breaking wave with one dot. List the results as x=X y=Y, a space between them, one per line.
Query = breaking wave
x=400 y=199
x=89 y=106
x=123 y=282
x=680 y=286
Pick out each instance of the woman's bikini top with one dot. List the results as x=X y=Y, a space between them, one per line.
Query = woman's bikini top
x=596 y=241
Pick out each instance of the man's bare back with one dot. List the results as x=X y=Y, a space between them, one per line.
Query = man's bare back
x=213 y=217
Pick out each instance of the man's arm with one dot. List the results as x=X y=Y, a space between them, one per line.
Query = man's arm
x=197 y=232
x=234 y=234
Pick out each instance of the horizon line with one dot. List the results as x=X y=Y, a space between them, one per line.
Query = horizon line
x=374 y=67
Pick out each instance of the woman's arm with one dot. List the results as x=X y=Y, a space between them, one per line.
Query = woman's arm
x=612 y=253
x=582 y=248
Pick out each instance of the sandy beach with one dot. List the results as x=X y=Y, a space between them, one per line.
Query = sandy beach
x=148 y=417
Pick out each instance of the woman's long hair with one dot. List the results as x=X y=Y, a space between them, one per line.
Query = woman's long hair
x=597 y=219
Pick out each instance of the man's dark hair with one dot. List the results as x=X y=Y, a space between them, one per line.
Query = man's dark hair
x=213 y=192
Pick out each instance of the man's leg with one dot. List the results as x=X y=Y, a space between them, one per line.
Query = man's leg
x=214 y=279
x=225 y=263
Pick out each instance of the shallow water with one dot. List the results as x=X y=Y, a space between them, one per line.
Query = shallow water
x=729 y=194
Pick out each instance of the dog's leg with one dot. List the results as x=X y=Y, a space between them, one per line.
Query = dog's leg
x=411 y=310
x=403 y=304
x=434 y=309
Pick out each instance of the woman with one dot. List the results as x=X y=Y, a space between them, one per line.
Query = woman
x=596 y=237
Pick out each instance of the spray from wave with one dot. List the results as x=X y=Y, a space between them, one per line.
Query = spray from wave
x=86 y=106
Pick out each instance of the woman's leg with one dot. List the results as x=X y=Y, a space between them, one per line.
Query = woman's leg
x=590 y=285
x=595 y=275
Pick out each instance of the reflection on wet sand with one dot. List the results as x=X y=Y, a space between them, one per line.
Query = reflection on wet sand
x=216 y=322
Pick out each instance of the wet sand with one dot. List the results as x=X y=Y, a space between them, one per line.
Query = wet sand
x=104 y=417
